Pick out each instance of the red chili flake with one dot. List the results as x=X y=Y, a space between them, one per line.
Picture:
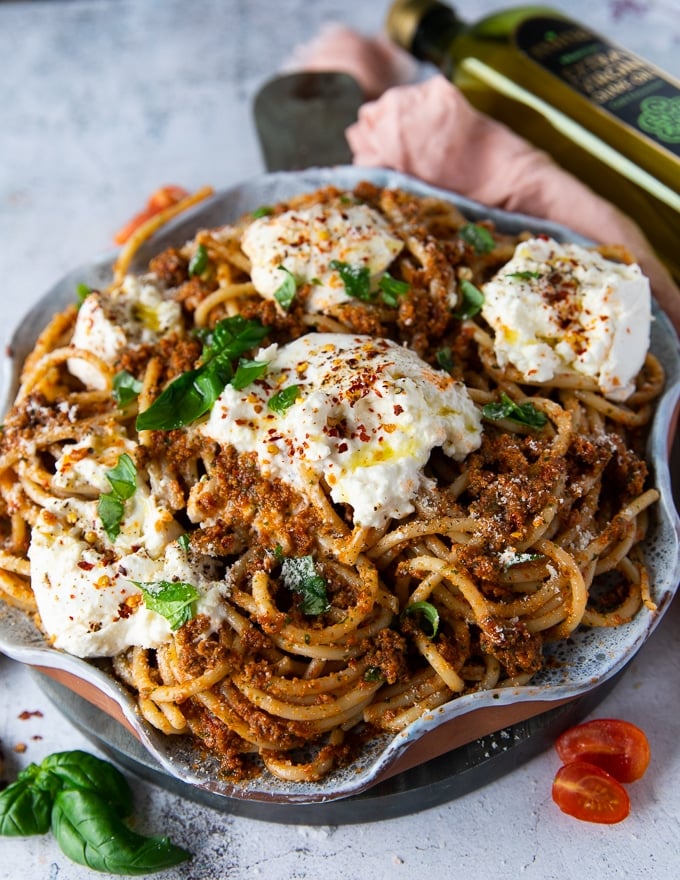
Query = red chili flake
x=86 y=566
x=342 y=447
x=398 y=409
x=25 y=715
x=124 y=611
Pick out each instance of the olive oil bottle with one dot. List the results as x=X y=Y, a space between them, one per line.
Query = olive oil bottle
x=603 y=113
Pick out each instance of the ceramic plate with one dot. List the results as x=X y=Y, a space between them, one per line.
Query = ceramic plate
x=587 y=660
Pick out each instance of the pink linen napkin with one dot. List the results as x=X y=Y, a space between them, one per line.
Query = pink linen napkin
x=429 y=130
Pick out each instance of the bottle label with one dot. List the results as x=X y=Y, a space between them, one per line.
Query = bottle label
x=614 y=79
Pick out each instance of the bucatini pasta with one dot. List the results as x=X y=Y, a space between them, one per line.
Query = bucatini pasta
x=290 y=483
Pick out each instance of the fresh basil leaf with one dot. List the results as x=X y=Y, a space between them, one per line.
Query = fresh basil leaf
x=247 y=372
x=184 y=542
x=357 y=280
x=123 y=477
x=391 y=289
x=91 y=833
x=473 y=300
x=479 y=237
x=263 y=211
x=110 y=511
x=234 y=336
x=25 y=809
x=78 y=769
x=373 y=674
x=199 y=261
x=428 y=612
x=285 y=292
x=445 y=359
x=299 y=574
x=192 y=394
x=519 y=558
x=284 y=399
x=186 y=398
x=173 y=600
x=125 y=388
x=523 y=414
x=524 y=276
x=82 y=292
x=111 y=506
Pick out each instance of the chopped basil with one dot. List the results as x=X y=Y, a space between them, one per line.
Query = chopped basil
x=192 y=394
x=123 y=477
x=111 y=505
x=82 y=292
x=473 y=300
x=428 y=612
x=478 y=237
x=125 y=388
x=110 y=511
x=263 y=211
x=184 y=542
x=173 y=600
x=445 y=359
x=391 y=289
x=284 y=399
x=524 y=276
x=373 y=674
x=199 y=261
x=299 y=574
x=285 y=292
x=519 y=558
x=83 y=800
x=357 y=280
x=522 y=413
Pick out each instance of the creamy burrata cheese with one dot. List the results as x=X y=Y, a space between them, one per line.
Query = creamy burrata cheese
x=83 y=582
x=561 y=307
x=364 y=416
x=305 y=242
x=136 y=312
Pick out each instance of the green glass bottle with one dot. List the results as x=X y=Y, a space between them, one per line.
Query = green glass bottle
x=603 y=113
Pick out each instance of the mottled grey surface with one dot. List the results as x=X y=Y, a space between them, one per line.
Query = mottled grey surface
x=101 y=101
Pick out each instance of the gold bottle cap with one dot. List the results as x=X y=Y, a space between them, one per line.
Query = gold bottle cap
x=403 y=19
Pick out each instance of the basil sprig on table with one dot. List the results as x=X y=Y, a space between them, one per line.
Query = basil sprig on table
x=522 y=413
x=111 y=506
x=192 y=394
x=83 y=800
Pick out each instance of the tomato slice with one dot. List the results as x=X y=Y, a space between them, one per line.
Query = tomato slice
x=162 y=198
x=618 y=747
x=587 y=792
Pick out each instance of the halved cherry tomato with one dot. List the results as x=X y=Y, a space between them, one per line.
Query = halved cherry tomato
x=618 y=747
x=162 y=198
x=589 y=793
